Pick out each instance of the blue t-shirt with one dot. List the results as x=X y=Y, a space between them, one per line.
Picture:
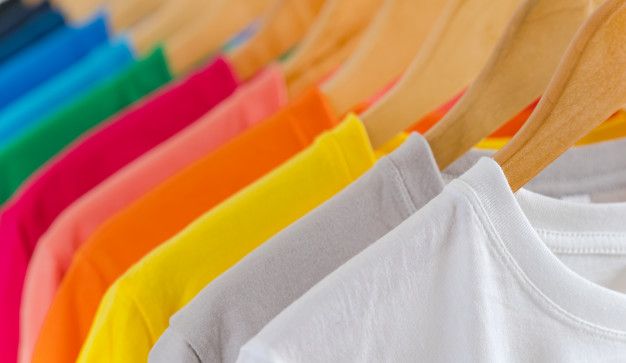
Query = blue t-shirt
x=40 y=22
x=67 y=86
x=51 y=55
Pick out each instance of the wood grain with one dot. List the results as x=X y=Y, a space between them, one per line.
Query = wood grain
x=210 y=29
x=516 y=74
x=282 y=28
x=588 y=86
x=329 y=42
x=453 y=55
x=385 y=51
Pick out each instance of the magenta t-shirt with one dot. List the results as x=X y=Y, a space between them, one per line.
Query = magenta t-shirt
x=88 y=162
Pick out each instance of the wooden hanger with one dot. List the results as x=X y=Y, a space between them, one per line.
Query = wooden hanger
x=589 y=85
x=74 y=10
x=516 y=74
x=452 y=56
x=385 y=50
x=170 y=17
x=212 y=27
x=283 y=27
x=329 y=42
x=124 y=13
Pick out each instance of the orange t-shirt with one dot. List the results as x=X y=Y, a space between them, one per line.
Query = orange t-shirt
x=157 y=216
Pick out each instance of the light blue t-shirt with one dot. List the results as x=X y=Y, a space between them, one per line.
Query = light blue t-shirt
x=49 y=56
x=65 y=87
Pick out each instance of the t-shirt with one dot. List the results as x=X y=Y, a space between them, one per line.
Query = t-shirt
x=92 y=160
x=14 y=13
x=26 y=153
x=22 y=26
x=40 y=62
x=236 y=305
x=251 y=103
x=62 y=89
x=166 y=210
x=479 y=274
x=218 y=239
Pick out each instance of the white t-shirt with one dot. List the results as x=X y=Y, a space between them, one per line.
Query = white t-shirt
x=477 y=275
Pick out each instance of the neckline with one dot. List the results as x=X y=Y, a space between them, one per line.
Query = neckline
x=508 y=216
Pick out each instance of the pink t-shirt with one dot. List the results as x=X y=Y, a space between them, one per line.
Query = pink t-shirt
x=251 y=103
x=85 y=164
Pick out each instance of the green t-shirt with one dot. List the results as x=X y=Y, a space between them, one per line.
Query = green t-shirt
x=22 y=156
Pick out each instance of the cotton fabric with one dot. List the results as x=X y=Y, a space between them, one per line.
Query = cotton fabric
x=26 y=153
x=250 y=104
x=25 y=71
x=478 y=274
x=220 y=238
x=239 y=303
x=62 y=89
x=167 y=209
x=113 y=145
x=21 y=157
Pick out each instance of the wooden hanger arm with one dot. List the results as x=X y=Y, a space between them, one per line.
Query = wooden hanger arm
x=321 y=67
x=385 y=51
x=76 y=10
x=453 y=55
x=283 y=27
x=125 y=13
x=213 y=27
x=329 y=41
x=162 y=24
x=588 y=86
x=516 y=74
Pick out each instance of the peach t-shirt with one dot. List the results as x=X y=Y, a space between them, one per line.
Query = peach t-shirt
x=252 y=103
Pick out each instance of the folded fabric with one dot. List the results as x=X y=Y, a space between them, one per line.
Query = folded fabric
x=93 y=159
x=250 y=104
x=63 y=88
x=478 y=274
x=166 y=210
x=26 y=153
x=31 y=150
x=218 y=239
x=22 y=156
x=14 y=14
x=60 y=50
x=239 y=303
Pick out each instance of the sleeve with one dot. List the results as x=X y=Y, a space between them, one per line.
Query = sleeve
x=119 y=323
x=172 y=347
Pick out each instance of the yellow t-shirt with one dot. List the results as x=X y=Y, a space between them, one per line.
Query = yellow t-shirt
x=136 y=309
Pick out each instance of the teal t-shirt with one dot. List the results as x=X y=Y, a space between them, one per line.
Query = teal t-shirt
x=24 y=155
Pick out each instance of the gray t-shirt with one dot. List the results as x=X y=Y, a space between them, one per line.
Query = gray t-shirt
x=237 y=305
